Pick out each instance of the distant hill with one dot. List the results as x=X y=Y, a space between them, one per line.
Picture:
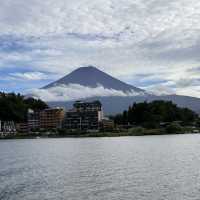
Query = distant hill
x=115 y=105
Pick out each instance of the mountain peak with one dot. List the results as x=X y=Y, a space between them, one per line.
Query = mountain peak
x=91 y=76
x=87 y=69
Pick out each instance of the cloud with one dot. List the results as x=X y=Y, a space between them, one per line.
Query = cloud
x=123 y=38
x=33 y=76
x=75 y=91
x=160 y=90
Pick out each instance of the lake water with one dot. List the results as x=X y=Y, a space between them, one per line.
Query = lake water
x=139 y=168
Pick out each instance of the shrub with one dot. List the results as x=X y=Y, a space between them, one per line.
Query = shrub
x=136 y=131
x=174 y=127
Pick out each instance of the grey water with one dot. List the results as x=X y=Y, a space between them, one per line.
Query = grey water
x=143 y=168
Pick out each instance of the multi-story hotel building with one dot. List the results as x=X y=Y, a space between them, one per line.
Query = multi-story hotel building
x=84 y=116
x=51 y=118
x=33 y=120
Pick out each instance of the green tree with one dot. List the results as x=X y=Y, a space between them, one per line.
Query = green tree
x=174 y=128
x=151 y=114
x=13 y=107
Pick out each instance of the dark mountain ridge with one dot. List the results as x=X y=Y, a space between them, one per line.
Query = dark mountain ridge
x=92 y=77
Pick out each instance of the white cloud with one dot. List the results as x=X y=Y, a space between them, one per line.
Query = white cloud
x=31 y=76
x=123 y=37
x=76 y=91
x=193 y=91
x=160 y=90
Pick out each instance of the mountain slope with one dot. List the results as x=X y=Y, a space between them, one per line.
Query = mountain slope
x=92 y=77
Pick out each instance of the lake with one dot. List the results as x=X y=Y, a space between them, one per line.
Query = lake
x=143 y=168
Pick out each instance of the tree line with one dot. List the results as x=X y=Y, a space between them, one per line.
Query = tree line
x=153 y=113
x=14 y=107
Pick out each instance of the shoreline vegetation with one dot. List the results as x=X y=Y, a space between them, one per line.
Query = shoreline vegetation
x=171 y=129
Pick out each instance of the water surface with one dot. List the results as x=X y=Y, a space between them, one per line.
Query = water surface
x=143 y=168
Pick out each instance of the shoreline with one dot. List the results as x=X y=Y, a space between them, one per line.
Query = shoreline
x=91 y=135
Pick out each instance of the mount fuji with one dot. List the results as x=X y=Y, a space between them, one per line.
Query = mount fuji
x=89 y=83
x=92 y=77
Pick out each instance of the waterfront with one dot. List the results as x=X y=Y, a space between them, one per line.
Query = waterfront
x=150 y=167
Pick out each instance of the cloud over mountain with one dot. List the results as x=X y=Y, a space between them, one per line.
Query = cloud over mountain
x=75 y=91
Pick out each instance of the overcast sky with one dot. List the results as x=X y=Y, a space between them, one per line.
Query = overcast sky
x=152 y=44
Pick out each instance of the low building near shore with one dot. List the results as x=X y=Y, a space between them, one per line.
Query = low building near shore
x=33 y=120
x=22 y=127
x=51 y=118
x=107 y=124
x=7 y=128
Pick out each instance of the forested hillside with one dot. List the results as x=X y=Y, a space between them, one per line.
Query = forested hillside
x=14 y=106
x=153 y=113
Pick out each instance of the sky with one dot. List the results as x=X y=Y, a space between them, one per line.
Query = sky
x=154 y=44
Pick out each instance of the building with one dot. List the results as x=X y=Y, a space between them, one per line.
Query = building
x=107 y=124
x=33 y=120
x=51 y=119
x=22 y=127
x=7 y=128
x=81 y=106
x=84 y=116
